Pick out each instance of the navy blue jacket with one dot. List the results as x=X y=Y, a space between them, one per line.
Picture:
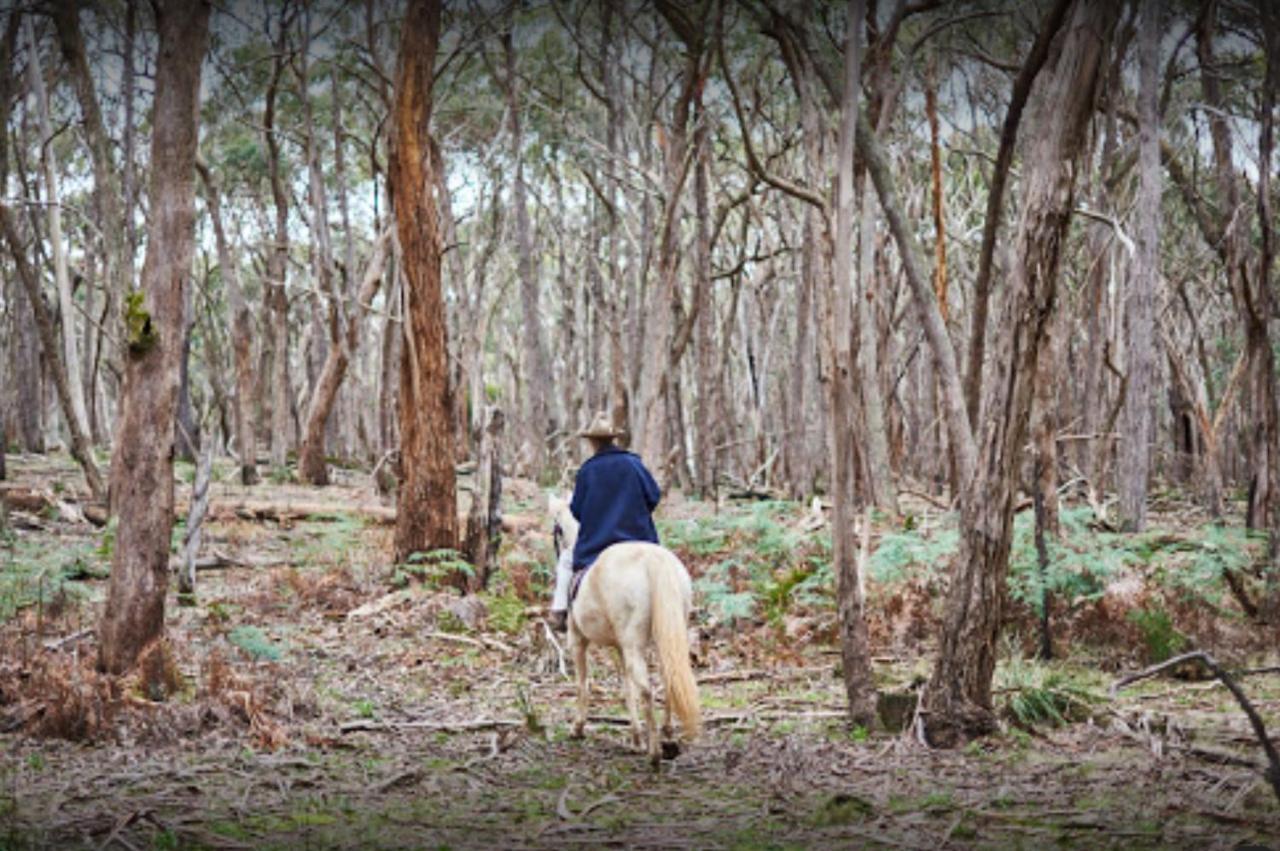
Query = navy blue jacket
x=613 y=500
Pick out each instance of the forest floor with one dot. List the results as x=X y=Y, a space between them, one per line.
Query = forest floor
x=326 y=698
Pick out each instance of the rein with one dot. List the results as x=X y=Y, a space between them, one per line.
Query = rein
x=557 y=538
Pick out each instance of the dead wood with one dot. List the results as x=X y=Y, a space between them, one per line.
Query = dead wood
x=371 y=726
x=482 y=642
x=284 y=512
x=1272 y=773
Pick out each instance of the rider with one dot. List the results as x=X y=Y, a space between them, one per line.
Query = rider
x=613 y=500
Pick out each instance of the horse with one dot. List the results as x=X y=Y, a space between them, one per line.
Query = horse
x=635 y=594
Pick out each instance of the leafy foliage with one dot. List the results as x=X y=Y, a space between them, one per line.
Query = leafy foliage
x=435 y=567
x=1040 y=694
x=255 y=643
x=1161 y=638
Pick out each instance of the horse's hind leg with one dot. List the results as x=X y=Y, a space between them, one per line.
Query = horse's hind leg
x=580 y=670
x=638 y=690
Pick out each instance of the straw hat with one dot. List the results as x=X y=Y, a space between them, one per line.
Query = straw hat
x=601 y=428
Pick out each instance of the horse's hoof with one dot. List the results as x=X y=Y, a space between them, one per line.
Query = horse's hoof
x=670 y=749
x=576 y=732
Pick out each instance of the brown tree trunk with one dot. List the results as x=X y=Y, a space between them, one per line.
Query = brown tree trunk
x=57 y=246
x=24 y=347
x=484 y=521
x=426 y=511
x=854 y=649
x=241 y=321
x=311 y=456
x=107 y=191
x=276 y=296
x=142 y=460
x=707 y=428
x=1270 y=16
x=958 y=697
x=81 y=449
x=995 y=201
x=1135 y=440
x=538 y=421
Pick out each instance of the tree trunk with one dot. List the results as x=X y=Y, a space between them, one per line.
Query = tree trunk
x=881 y=490
x=707 y=432
x=1135 y=440
x=426 y=511
x=484 y=521
x=142 y=460
x=107 y=191
x=57 y=248
x=1263 y=308
x=854 y=650
x=537 y=368
x=1031 y=66
x=958 y=697
x=24 y=347
x=311 y=456
x=276 y=296
x=241 y=321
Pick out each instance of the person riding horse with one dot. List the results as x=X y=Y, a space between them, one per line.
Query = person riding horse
x=614 y=496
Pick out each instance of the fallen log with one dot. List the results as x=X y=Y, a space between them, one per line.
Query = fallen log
x=289 y=512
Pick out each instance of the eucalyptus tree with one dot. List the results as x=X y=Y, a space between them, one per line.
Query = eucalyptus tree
x=426 y=511
x=142 y=462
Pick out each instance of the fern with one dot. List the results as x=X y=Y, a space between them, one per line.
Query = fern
x=255 y=643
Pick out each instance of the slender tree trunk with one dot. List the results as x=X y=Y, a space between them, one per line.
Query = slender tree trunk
x=610 y=75
x=142 y=461
x=1135 y=443
x=537 y=368
x=854 y=649
x=881 y=490
x=186 y=428
x=276 y=296
x=57 y=248
x=24 y=347
x=426 y=512
x=311 y=458
x=107 y=190
x=241 y=321
x=81 y=450
x=707 y=430
x=1031 y=66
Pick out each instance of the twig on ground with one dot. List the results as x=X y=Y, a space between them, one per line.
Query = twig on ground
x=369 y=725
x=58 y=643
x=551 y=636
x=482 y=641
x=562 y=805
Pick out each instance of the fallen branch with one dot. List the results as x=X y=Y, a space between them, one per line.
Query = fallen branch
x=481 y=642
x=370 y=725
x=251 y=509
x=551 y=636
x=1272 y=773
x=59 y=643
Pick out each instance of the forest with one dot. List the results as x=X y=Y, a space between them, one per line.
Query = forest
x=944 y=327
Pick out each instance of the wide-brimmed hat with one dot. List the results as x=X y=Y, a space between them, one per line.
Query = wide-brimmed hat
x=601 y=428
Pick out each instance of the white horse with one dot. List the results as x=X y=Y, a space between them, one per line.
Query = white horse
x=634 y=594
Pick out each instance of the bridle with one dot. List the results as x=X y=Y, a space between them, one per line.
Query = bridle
x=557 y=538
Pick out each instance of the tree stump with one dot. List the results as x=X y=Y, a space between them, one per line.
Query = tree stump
x=484 y=521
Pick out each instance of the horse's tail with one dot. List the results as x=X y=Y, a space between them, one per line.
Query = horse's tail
x=667 y=623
